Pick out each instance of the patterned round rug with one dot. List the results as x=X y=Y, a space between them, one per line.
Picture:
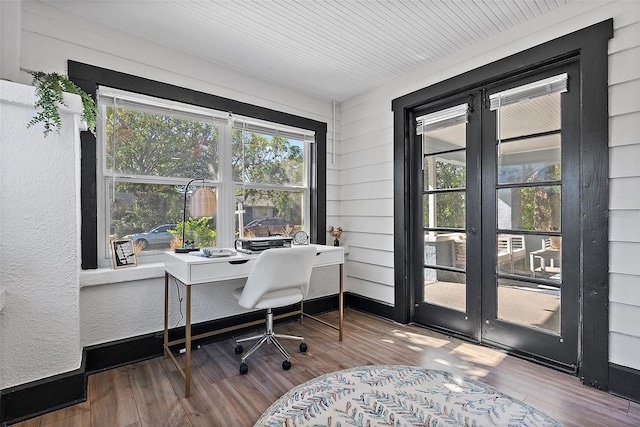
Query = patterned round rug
x=398 y=396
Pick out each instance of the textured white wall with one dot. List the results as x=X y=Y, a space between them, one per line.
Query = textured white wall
x=39 y=257
x=366 y=160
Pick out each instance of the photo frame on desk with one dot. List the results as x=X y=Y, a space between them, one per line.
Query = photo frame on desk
x=123 y=253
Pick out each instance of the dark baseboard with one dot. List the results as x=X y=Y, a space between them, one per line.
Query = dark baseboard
x=624 y=382
x=39 y=397
x=369 y=305
x=49 y=394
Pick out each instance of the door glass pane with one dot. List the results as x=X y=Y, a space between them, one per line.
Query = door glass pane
x=445 y=139
x=529 y=304
x=545 y=258
x=445 y=210
x=538 y=115
x=445 y=249
x=530 y=160
x=445 y=288
x=449 y=171
x=536 y=256
x=529 y=208
x=511 y=254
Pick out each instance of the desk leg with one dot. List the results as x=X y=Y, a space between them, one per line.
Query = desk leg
x=340 y=306
x=166 y=315
x=187 y=332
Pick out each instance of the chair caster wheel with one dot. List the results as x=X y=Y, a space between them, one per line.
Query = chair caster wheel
x=286 y=365
x=244 y=369
x=239 y=349
x=303 y=347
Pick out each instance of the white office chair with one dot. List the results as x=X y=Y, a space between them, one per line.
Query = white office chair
x=279 y=278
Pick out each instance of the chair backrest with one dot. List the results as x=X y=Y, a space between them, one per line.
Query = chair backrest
x=277 y=271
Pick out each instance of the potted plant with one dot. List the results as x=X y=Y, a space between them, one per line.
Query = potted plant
x=336 y=233
x=50 y=88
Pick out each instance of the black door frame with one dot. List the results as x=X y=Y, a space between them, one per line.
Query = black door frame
x=589 y=46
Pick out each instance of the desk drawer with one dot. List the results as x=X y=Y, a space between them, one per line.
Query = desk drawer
x=329 y=258
x=202 y=273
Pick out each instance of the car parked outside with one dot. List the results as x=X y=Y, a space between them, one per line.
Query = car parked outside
x=158 y=237
x=265 y=227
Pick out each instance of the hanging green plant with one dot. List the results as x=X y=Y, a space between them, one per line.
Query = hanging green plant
x=50 y=88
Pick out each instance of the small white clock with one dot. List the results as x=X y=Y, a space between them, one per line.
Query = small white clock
x=300 y=237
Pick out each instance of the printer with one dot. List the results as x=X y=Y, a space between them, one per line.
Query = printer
x=257 y=244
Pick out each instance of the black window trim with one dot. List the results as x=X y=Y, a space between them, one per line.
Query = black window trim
x=89 y=78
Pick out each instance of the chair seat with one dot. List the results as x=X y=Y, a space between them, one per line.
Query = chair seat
x=279 y=298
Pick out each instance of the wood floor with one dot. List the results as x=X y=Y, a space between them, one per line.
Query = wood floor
x=150 y=393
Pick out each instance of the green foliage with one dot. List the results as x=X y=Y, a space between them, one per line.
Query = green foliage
x=50 y=88
x=197 y=231
x=541 y=205
x=152 y=145
x=271 y=160
x=160 y=145
x=541 y=208
x=450 y=206
x=148 y=144
x=141 y=207
x=266 y=159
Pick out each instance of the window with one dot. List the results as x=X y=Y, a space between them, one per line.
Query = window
x=270 y=180
x=93 y=191
x=149 y=148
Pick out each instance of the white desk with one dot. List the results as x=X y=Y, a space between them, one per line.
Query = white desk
x=193 y=270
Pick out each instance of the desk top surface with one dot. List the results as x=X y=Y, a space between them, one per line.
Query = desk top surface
x=197 y=258
x=191 y=268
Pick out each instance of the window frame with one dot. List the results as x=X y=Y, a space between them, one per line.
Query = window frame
x=223 y=183
x=89 y=78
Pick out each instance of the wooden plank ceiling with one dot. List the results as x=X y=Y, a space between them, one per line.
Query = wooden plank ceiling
x=333 y=49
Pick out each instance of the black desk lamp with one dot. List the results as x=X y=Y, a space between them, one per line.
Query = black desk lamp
x=203 y=203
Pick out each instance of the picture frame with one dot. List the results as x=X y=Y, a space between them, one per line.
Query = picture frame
x=123 y=253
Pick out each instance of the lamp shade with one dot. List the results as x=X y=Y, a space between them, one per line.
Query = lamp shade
x=203 y=203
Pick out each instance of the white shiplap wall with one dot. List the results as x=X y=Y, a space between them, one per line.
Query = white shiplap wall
x=333 y=170
x=367 y=161
x=367 y=199
x=624 y=187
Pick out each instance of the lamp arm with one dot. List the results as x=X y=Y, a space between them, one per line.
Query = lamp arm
x=184 y=210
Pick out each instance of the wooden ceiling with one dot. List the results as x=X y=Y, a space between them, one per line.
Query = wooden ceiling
x=333 y=49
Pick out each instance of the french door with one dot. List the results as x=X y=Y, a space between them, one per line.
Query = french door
x=500 y=215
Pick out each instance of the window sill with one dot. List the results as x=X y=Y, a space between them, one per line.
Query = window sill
x=105 y=276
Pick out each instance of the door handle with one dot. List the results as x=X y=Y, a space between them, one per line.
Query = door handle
x=471 y=231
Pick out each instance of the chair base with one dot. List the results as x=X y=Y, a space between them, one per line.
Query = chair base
x=270 y=338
